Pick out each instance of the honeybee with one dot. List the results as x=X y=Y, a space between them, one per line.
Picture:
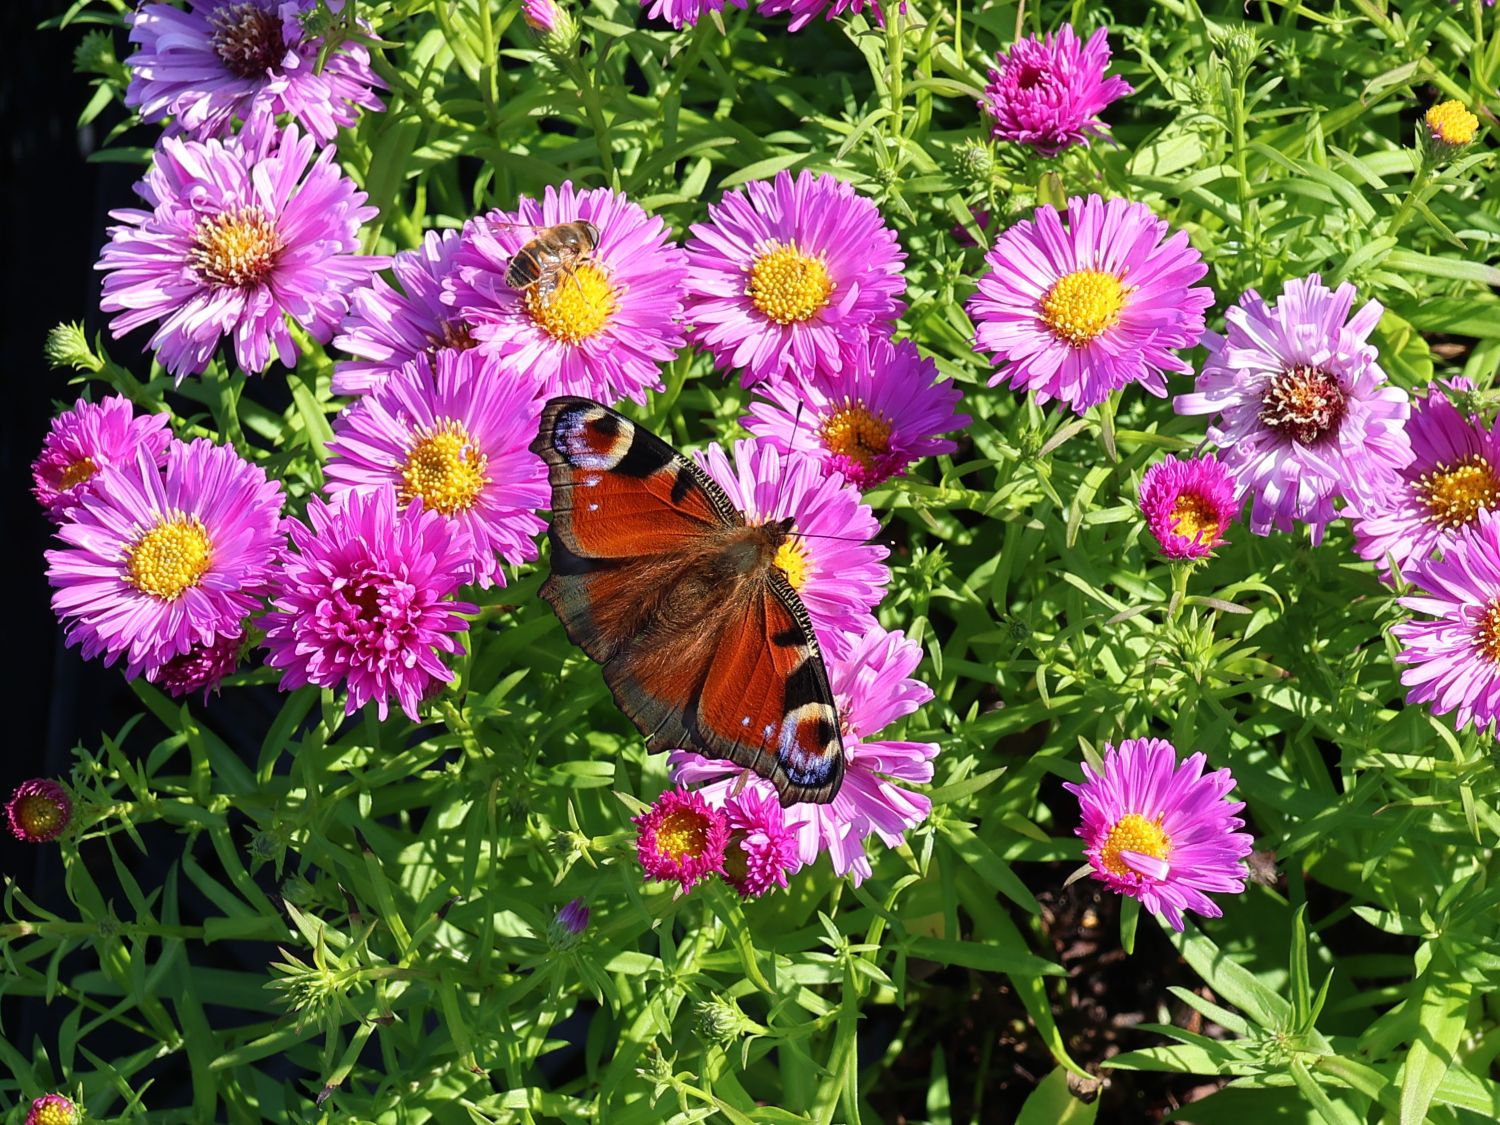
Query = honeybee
x=554 y=254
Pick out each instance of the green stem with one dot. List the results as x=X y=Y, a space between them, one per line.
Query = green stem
x=1418 y=182
x=895 y=49
x=592 y=106
x=1181 y=572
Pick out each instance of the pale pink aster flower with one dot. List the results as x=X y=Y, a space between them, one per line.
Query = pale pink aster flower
x=1188 y=502
x=1453 y=656
x=763 y=848
x=90 y=436
x=39 y=811
x=611 y=321
x=388 y=327
x=681 y=839
x=686 y=13
x=872 y=688
x=881 y=410
x=787 y=271
x=1454 y=475
x=158 y=560
x=242 y=234
x=1078 y=312
x=1161 y=831
x=804 y=12
x=826 y=558
x=366 y=601
x=1302 y=408
x=1048 y=92
x=452 y=431
x=247 y=59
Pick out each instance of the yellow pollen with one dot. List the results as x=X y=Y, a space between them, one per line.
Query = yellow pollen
x=1456 y=493
x=236 y=249
x=682 y=832
x=788 y=286
x=41 y=816
x=76 y=473
x=170 y=558
x=444 y=468
x=577 y=309
x=1451 y=123
x=56 y=1113
x=1083 y=305
x=791 y=559
x=1487 y=634
x=1194 y=518
x=857 y=433
x=1133 y=833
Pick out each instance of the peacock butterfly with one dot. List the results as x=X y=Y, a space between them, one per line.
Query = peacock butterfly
x=661 y=580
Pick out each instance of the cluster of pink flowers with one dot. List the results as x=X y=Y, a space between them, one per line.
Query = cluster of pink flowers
x=687 y=13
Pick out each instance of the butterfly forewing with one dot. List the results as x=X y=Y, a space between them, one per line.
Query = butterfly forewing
x=657 y=577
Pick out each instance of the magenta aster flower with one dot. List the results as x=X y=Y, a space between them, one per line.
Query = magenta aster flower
x=87 y=437
x=681 y=838
x=1076 y=313
x=1303 y=408
x=786 y=271
x=880 y=411
x=1160 y=831
x=1188 y=502
x=366 y=600
x=686 y=13
x=1454 y=658
x=804 y=12
x=1048 y=92
x=251 y=59
x=242 y=234
x=202 y=668
x=762 y=849
x=1453 y=476
x=52 y=1109
x=837 y=574
x=157 y=561
x=452 y=430
x=541 y=15
x=388 y=327
x=872 y=688
x=611 y=321
x=38 y=811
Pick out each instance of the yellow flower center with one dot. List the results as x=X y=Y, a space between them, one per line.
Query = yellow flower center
x=170 y=558
x=444 y=468
x=1456 y=493
x=1133 y=833
x=1194 y=518
x=682 y=832
x=788 y=286
x=236 y=249
x=791 y=559
x=76 y=473
x=39 y=815
x=1083 y=305
x=577 y=309
x=1451 y=123
x=1487 y=635
x=857 y=433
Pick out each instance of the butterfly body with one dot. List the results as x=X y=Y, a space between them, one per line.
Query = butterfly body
x=703 y=642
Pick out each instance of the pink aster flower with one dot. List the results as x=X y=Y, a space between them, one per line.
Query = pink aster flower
x=388 y=327
x=681 y=838
x=454 y=431
x=610 y=322
x=786 y=271
x=366 y=600
x=1454 y=658
x=804 y=12
x=541 y=15
x=1188 y=502
x=1078 y=312
x=1302 y=407
x=872 y=689
x=1161 y=831
x=1048 y=92
x=251 y=59
x=686 y=13
x=52 y=1109
x=38 y=811
x=882 y=409
x=241 y=234
x=158 y=560
x=762 y=849
x=202 y=668
x=87 y=437
x=1453 y=476
x=827 y=559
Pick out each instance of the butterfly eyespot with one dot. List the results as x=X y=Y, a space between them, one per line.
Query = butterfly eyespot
x=592 y=438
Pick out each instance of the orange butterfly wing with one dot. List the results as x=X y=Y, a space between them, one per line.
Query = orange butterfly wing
x=656 y=576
